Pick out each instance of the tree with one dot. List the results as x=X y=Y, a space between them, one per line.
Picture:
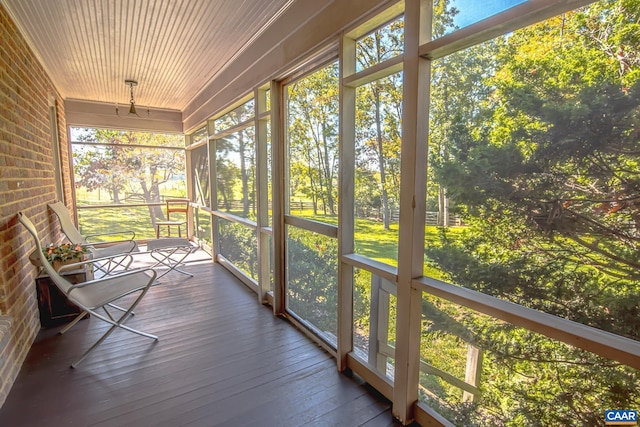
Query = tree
x=313 y=137
x=235 y=159
x=546 y=174
x=134 y=163
x=458 y=88
x=378 y=118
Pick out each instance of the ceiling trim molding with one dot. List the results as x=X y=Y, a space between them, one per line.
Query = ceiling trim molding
x=103 y=115
x=304 y=28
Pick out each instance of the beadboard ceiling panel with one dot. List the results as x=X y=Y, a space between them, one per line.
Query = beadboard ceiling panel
x=173 y=48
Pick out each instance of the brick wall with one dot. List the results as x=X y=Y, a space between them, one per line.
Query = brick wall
x=26 y=184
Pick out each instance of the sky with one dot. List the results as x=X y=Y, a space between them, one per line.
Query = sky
x=476 y=10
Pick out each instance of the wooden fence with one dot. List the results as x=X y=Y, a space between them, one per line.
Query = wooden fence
x=296 y=206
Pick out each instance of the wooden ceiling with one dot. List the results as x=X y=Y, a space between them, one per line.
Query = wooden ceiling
x=172 y=48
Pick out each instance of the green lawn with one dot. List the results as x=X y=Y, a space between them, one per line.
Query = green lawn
x=106 y=220
x=371 y=239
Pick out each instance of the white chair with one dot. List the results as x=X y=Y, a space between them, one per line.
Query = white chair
x=95 y=295
x=96 y=249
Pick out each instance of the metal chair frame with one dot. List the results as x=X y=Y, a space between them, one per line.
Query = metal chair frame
x=112 y=252
x=170 y=252
x=97 y=294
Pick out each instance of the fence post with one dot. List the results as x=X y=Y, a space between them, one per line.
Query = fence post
x=473 y=371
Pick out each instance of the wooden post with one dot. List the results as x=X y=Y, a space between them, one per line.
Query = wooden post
x=279 y=175
x=264 y=259
x=346 y=201
x=473 y=371
x=413 y=170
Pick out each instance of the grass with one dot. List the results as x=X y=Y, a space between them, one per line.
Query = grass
x=371 y=239
x=107 y=220
x=123 y=217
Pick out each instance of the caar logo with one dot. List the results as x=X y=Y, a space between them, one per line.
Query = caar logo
x=621 y=417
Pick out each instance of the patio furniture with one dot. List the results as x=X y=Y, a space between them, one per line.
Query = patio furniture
x=110 y=250
x=170 y=252
x=98 y=294
x=54 y=307
x=174 y=206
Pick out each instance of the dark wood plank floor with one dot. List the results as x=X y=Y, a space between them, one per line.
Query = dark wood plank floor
x=222 y=360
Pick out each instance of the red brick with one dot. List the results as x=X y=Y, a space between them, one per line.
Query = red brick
x=25 y=156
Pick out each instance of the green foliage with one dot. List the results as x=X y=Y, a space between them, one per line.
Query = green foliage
x=527 y=379
x=239 y=245
x=313 y=138
x=539 y=152
x=236 y=169
x=64 y=251
x=126 y=162
x=378 y=125
x=378 y=141
x=382 y=44
x=312 y=279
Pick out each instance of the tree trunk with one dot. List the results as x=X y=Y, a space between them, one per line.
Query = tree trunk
x=327 y=173
x=116 y=194
x=443 y=207
x=152 y=195
x=243 y=175
x=386 y=214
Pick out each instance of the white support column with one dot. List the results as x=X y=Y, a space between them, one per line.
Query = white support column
x=278 y=190
x=262 y=175
x=213 y=173
x=191 y=220
x=346 y=201
x=412 y=208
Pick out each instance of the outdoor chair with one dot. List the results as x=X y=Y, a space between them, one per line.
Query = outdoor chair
x=98 y=294
x=174 y=206
x=108 y=250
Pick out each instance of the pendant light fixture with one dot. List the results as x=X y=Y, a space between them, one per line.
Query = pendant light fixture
x=132 y=106
x=132 y=102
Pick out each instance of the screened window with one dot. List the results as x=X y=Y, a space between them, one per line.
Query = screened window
x=236 y=188
x=313 y=145
x=236 y=173
x=453 y=15
x=381 y=44
x=377 y=167
x=312 y=188
x=238 y=115
x=128 y=175
x=531 y=171
x=200 y=165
